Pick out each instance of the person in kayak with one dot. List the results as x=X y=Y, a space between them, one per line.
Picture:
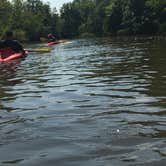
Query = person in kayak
x=10 y=44
x=51 y=38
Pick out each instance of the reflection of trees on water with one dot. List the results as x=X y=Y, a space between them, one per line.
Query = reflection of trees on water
x=120 y=60
x=157 y=63
x=8 y=79
x=139 y=63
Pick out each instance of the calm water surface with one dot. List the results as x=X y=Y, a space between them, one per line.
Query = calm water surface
x=98 y=102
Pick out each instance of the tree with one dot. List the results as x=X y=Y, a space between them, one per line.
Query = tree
x=72 y=20
x=5 y=16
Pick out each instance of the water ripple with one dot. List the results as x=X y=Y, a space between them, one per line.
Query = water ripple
x=88 y=102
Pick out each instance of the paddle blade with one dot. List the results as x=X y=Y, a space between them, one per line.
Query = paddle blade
x=43 y=49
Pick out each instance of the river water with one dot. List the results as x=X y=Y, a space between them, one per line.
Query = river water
x=90 y=102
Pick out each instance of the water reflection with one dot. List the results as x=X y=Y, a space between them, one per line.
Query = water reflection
x=90 y=102
x=8 y=79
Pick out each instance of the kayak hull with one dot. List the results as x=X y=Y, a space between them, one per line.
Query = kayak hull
x=52 y=43
x=13 y=56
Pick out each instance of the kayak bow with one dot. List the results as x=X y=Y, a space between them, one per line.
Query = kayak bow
x=13 y=56
x=53 y=43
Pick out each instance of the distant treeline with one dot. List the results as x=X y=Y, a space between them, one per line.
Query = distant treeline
x=28 y=19
x=32 y=19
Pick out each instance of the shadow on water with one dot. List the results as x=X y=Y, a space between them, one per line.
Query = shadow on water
x=8 y=79
x=90 y=102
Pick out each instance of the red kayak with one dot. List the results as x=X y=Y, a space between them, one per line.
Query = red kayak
x=8 y=55
x=52 y=43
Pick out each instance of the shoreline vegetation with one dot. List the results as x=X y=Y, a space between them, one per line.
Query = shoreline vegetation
x=31 y=20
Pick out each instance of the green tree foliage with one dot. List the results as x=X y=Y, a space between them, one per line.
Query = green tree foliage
x=32 y=19
x=72 y=20
x=5 y=15
x=127 y=17
x=28 y=19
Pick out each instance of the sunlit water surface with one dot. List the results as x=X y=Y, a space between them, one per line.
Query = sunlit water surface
x=94 y=102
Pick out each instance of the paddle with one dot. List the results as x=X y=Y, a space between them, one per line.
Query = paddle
x=42 y=49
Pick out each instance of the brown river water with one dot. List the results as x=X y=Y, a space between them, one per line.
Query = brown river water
x=89 y=102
